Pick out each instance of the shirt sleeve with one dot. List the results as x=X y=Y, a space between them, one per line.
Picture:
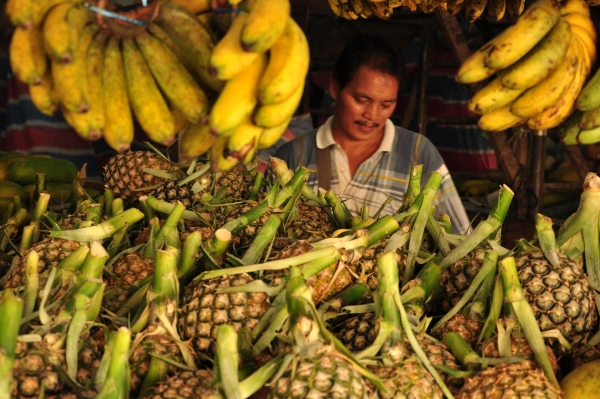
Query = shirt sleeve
x=447 y=200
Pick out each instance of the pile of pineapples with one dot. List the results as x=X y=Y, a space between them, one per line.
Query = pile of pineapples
x=178 y=282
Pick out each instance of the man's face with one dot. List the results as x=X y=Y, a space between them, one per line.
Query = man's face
x=364 y=104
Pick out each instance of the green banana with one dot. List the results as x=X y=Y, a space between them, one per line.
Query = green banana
x=589 y=98
x=590 y=119
x=590 y=136
x=570 y=129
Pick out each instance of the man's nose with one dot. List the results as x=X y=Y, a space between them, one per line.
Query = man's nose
x=371 y=111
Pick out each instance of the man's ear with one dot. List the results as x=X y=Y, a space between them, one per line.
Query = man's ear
x=333 y=89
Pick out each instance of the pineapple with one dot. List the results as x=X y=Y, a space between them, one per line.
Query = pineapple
x=129 y=268
x=203 y=310
x=51 y=252
x=468 y=329
x=560 y=297
x=124 y=173
x=519 y=380
x=518 y=347
x=187 y=384
x=457 y=278
x=409 y=379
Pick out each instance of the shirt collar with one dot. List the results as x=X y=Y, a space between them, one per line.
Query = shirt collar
x=325 y=137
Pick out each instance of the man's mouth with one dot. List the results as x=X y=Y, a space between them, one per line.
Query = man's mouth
x=368 y=125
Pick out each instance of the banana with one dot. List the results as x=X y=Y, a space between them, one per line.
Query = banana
x=380 y=9
x=583 y=21
x=588 y=42
x=238 y=99
x=570 y=129
x=590 y=95
x=357 y=6
x=575 y=6
x=516 y=41
x=81 y=124
x=62 y=27
x=174 y=80
x=189 y=34
x=499 y=120
x=492 y=96
x=243 y=140
x=288 y=65
x=179 y=119
x=266 y=22
x=146 y=100
x=582 y=50
x=70 y=85
x=27 y=58
x=591 y=136
x=158 y=32
x=336 y=7
x=590 y=119
x=496 y=9
x=474 y=69
x=271 y=135
x=41 y=8
x=515 y=7
x=556 y=114
x=43 y=96
x=118 y=130
x=541 y=60
x=474 y=9
x=228 y=57
x=270 y=115
x=20 y=12
x=548 y=91
x=195 y=6
x=94 y=65
x=218 y=161
x=196 y=140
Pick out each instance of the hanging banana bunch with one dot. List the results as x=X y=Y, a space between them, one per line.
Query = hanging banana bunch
x=538 y=67
x=161 y=65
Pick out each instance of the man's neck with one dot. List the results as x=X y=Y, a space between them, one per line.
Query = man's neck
x=358 y=151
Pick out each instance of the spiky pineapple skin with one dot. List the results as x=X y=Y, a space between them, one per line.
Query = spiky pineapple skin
x=407 y=380
x=186 y=384
x=129 y=269
x=468 y=329
x=327 y=374
x=124 y=173
x=456 y=279
x=516 y=381
x=561 y=298
x=50 y=250
x=518 y=347
x=203 y=310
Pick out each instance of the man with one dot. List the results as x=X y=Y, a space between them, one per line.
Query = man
x=370 y=158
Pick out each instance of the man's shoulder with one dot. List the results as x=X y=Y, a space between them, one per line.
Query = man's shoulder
x=304 y=141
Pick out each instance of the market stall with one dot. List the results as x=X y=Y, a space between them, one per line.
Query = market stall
x=151 y=246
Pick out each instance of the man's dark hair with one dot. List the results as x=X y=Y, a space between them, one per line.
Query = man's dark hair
x=372 y=50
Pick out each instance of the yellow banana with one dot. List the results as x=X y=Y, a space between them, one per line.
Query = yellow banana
x=146 y=100
x=575 y=6
x=336 y=7
x=20 y=12
x=556 y=114
x=243 y=139
x=516 y=41
x=474 y=9
x=500 y=120
x=195 y=6
x=271 y=135
x=589 y=44
x=118 y=129
x=70 y=85
x=27 y=58
x=541 y=60
x=288 y=64
x=41 y=8
x=62 y=27
x=228 y=57
x=179 y=119
x=238 y=99
x=496 y=9
x=381 y=9
x=89 y=125
x=583 y=21
x=266 y=22
x=189 y=34
x=43 y=96
x=270 y=115
x=196 y=140
x=474 y=69
x=492 y=96
x=175 y=81
x=94 y=65
x=515 y=7
x=218 y=160
x=548 y=91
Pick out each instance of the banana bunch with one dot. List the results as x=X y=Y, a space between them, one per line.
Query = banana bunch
x=262 y=61
x=383 y=9
x=539 y=66
x=104 y=77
